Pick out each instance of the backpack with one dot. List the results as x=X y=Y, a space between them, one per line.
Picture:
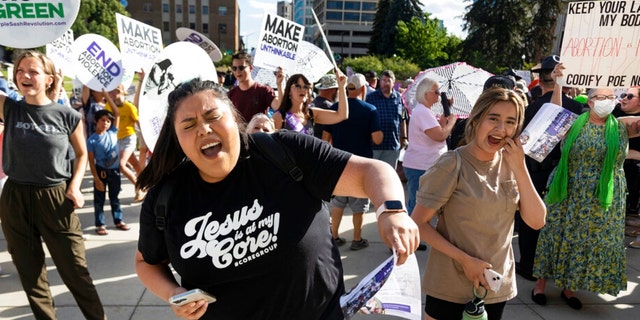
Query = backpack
x=272 y=149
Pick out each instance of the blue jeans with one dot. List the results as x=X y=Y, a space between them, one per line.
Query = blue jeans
x=112 y=182
x=388 y=156
x=413 y=182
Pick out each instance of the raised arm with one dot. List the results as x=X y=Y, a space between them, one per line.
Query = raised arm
x=376 y=180
x=556 y=97
x=136 y=97
x=327 y=116
x=114 y=108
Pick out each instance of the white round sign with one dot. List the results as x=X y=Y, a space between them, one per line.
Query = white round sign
x=98 y=62
x=34 y=23
x=177 y=63
x=186 y=34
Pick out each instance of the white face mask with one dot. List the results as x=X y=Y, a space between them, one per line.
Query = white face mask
x=603 y=108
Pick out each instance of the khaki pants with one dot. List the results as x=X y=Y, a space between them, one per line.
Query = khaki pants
x=31 y=213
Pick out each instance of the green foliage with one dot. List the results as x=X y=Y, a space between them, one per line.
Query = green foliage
x=541 y=39
x=423 y=41
x=402 y=68
x=99 y=17
x=384 y=40
x=497 y=33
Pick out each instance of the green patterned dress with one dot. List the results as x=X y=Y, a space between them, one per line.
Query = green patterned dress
x=582 y=246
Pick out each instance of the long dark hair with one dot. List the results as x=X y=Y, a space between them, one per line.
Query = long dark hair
x=286 y=104
x=168 y=154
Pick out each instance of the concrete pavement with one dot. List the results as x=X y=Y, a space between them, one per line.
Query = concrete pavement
x=124 y=297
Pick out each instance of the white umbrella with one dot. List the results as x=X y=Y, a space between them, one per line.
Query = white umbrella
x=459 y=80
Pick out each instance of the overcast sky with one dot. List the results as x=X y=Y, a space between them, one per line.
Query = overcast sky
x=251 y=12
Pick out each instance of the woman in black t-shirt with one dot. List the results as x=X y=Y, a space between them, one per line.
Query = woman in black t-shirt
x=229 y=231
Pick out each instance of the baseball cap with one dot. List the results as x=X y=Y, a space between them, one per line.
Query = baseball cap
x=356 y=81
x=371 y=74
x=505 y=82
x=548 y=63
x=328 y=81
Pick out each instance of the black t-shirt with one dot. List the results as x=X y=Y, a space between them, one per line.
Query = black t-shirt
x=634 y=143
x=259 y=241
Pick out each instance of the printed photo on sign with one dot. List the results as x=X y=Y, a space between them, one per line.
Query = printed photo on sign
x=186 y=34
x=278 y=43
x=59 y=51
x=601 y=44
x=140 y=43
x=34 y=23
x=177 y=63
x=98 y=63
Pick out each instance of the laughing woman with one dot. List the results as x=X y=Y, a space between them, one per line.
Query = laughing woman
x=476 y=190
x=38 y=200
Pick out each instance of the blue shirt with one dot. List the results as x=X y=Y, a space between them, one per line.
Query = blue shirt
x=391 y=112
x=105 y=148
x=354 y=133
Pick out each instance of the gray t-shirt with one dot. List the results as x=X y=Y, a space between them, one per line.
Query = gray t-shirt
x=36 y=142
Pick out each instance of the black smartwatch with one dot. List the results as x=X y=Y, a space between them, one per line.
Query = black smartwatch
x=391 y=206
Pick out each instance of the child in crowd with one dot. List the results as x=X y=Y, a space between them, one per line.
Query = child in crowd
x=104 y=162
x=260 y=122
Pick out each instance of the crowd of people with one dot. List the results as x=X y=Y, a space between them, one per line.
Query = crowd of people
x=339 y=141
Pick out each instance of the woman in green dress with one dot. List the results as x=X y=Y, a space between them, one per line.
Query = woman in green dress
x=582 y=244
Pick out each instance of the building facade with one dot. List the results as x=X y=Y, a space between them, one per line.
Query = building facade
x=285 y=9
x=348 y=25
x=218 y=20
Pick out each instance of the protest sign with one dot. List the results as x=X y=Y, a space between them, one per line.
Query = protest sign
x=140 y=44
x=278 y=43
x=186 y=34
x=59 y=51
x=547 y=128
x=34 y=23
x=601 y=44
x=176 y=63
x=98 y=63
x=388 y=289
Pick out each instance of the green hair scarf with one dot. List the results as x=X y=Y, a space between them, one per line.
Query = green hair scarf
x=558 y=187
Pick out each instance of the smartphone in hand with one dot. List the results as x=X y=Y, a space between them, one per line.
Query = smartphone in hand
x=446 y=107
x=191 y=296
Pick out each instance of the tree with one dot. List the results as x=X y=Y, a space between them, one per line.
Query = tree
x=383 y=41
x=378 y=24
x=401 y=68
x=423 y=41
x=540 y=36
x=99 y=17
x=497 y=32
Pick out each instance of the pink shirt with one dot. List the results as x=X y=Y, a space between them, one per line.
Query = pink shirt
x=423 y=151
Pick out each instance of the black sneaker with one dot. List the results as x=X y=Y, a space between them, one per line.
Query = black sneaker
x=340 y=241
x=360 y=244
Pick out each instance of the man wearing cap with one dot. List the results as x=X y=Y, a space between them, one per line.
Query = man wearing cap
x=372 y=80
x=327 y=92
x=249 y=97
x=540 y=171
x=356 y=134
x=393 y=116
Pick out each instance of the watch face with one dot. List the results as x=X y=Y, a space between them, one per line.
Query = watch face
x=394 y=205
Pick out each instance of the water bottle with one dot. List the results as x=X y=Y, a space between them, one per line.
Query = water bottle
x=474 y=309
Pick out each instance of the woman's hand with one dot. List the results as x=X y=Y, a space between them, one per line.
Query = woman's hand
x=191 y=310
x=76 y=197
x=474 y=271
x=514 y=154
x=399 y=232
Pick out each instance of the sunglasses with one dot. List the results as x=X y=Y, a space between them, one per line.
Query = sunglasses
x=627 y=95
x=241 y=68
x=602 y=97
x=299 y=87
